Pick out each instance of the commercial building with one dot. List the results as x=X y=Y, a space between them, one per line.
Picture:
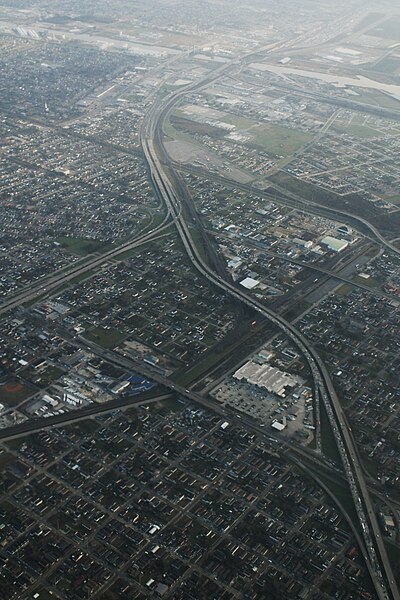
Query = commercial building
x=249 y=283
x=334 y=244
x=272 y=379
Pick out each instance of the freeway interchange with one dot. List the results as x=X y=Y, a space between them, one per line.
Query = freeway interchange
x=34 y=291
x=163 y=182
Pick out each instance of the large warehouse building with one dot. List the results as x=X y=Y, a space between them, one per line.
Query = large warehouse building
x=267 y=377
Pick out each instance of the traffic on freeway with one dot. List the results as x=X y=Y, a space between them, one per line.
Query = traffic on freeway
x=155 y=154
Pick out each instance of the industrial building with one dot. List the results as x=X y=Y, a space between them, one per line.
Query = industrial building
x=334 y=244
x=272 y=379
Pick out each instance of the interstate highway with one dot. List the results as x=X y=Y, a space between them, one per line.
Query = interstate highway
x=51 y=283
x=290 y=448
x=383 y=578
x=152 y=147
x=287 y=198
x=79 y=414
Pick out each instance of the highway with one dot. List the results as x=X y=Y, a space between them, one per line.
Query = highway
x=314 y=267
x=154 y=152
x=290 y=448
x=375 y=556
x=51 y=283
x=287 y=198
x=79 y=414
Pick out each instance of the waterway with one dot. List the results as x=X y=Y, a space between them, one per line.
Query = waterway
x=337 y=80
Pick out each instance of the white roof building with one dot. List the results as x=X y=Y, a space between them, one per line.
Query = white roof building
x=334 y=244
x=249 y=283
x=278 y=426
x=272 y=379
x=303 y=243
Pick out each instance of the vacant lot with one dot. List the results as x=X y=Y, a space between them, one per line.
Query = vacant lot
x=81 y=246
x=278 y=140
x=107 y=338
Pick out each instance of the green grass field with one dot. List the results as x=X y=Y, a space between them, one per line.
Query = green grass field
x=370 y=282
x=279 y=140
x=81 y=246
x=175 y=134
x=360 y=131
x=12 y=398
x=376 y=98
x=83 y=276
x=274 y=139
x=107 y=338
x=49 y=375
x=344 y=290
